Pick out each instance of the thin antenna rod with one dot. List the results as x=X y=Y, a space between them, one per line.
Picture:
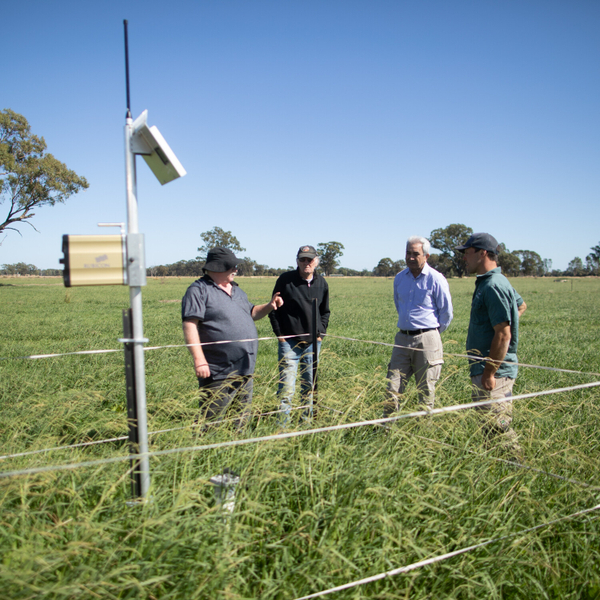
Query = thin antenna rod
x=127 y=70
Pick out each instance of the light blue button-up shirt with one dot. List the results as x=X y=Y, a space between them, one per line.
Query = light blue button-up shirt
x=423 y=302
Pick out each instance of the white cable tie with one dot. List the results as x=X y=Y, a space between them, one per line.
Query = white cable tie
x=436 y=559
x=133 y=340
x=293 y=434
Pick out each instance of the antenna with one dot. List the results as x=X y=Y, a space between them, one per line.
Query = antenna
x=128 y=116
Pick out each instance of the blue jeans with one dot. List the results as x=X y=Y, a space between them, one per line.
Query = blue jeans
x=291 y=354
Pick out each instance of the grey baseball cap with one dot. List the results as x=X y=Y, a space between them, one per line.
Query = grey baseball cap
x=480 y=241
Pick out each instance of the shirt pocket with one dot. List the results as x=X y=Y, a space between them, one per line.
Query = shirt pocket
x=422 y=297
x=433 y=349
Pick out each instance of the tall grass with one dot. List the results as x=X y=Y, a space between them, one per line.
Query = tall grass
x=312 y=512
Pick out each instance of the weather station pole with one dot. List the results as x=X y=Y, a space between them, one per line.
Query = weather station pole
x=119 y=260
x=148 y=142
x=136 y=278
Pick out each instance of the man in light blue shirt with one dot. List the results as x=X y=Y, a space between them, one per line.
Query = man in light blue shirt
x=424 y=306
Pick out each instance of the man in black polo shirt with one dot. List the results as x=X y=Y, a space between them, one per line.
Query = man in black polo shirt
x=297 y=289
x=215 y=309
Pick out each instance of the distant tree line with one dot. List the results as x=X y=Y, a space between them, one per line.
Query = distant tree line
x=514 y=263
x=449 y=262
x=193 y=268
x=329 y=252
x=22 y=268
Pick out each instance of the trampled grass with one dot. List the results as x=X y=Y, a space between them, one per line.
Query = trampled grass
x=311 y=512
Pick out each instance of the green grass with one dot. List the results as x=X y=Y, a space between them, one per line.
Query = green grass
x=312 y=512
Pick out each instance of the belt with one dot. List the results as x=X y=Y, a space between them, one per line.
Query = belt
x=417 y=331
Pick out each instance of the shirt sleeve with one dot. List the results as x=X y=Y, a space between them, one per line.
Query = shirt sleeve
x=324 y=308
x=498 y=302
x=443 y=302
x=396 y=285
x=518 y=298
x=193 y=304
x=273 y=314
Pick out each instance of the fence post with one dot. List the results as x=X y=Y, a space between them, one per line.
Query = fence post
x=315 y=362
x=132 y=415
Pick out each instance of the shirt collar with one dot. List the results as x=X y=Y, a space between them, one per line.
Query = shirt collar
x=491 y=272
x=314 y=277
x=424 y=271
x=209 y=279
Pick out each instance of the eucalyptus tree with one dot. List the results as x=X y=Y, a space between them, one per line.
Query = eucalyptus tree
x=329 y=252
x=29 y=176
x=217 y=237
x=446 y=239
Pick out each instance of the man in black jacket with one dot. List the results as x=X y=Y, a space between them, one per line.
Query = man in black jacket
x=292 y=326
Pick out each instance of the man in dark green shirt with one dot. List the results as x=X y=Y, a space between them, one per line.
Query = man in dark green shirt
x=493 y=335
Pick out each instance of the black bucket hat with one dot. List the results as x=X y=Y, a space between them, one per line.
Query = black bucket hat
x=220 y=260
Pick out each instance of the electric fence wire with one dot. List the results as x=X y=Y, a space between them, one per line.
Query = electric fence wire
x=291 y=434
x=125 y=437
x=148 y=348
x=108 y=351
x=324 y=407
x=512 y=463
x=376 y=422
x=468 y=356
x=441 y=557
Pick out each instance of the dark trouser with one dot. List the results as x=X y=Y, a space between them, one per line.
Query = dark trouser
x=216 y=396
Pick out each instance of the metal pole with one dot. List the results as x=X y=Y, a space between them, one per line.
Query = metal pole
x=135 y=301
x=132 y=419
x=315 y=362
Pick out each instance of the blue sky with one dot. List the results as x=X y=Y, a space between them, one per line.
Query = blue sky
x=298 y=122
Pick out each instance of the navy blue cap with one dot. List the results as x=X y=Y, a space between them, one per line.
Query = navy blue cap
x=480 y=241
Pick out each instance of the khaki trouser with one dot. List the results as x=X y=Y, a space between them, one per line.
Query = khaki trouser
x=497 y=417
x=422 y=356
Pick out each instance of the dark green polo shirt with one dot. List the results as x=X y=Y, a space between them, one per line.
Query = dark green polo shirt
x=494 y=301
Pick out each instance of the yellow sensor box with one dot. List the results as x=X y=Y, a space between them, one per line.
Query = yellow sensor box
x=94 y=260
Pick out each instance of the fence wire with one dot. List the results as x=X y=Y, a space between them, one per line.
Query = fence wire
x=260 y=339
x=293 y=434
x=441 y=557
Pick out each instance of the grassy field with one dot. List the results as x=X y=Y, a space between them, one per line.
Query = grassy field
x=312 y=512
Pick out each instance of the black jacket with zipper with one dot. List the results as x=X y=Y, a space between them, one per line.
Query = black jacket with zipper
x=295 y=316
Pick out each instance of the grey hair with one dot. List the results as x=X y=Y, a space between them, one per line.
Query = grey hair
x=417 y=239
